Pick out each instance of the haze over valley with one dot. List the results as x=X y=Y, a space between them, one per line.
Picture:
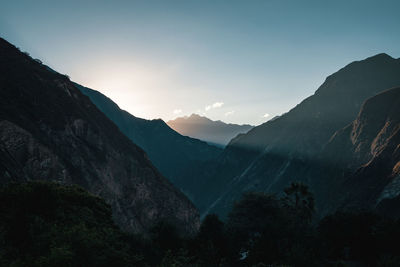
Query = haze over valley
x=213 y=132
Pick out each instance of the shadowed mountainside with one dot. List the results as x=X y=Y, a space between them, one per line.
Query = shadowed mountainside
x=49 y=130
x=364 y=157
x=176 y=156
x=277 y=152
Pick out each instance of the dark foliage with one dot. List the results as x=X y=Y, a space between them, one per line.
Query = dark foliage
x=211 y=244
x=265 y=229
x=363 y=237
x=47 y=224
x=299 y=200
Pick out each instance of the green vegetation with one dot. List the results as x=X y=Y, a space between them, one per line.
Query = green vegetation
x=47 y=224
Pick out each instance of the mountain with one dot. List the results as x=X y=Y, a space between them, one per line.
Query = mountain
x=364 y=157
x=49 y=130
x=286 y=149
x=213 y=132
x=173 y=154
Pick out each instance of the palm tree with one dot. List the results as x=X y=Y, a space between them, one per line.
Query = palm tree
x=300 y=199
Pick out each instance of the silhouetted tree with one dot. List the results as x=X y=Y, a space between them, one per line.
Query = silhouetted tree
x=259 y=221
x=164 y=237
x=211 y=241
x=300 y=200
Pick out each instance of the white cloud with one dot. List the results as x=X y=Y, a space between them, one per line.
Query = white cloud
x=266 y=115
x=218 y=104
x=215 y=105
x=229 y=113
x=177 y=111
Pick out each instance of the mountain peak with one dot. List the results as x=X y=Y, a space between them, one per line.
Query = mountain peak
x=380 y=56
x=195 y=116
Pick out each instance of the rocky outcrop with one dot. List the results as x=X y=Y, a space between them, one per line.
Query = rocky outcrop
x=364 y=157
x=49 y=130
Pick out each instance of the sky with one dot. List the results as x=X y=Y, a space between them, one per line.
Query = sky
x=235 y=61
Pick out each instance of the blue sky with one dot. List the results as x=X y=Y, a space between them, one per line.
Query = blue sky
x=230 y=60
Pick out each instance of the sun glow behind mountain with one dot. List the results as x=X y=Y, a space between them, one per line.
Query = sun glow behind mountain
x=158 y=57
x=137 y=89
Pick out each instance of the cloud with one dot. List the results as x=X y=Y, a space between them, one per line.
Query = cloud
x=218 y=104
x=266 y=115
x=229 y=113
x=215 y=105
x=177 y=111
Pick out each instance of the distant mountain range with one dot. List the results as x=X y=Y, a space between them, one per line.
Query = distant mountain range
x=49 y=130
x=296 y=145
x=213 y=132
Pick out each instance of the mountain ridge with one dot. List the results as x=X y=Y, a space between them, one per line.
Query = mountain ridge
x=171 y=152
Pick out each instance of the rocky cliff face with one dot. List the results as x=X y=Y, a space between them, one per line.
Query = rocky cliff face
x=364 y=157
x=49 y=130
x=275 y=153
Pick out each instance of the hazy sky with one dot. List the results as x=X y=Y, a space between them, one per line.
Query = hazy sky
x=232 y=60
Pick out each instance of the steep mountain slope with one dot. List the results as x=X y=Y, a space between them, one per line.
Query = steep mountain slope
x=214 y=132
x=49 y=130
x=172 y=153
x=271 y=155
x=364 y=157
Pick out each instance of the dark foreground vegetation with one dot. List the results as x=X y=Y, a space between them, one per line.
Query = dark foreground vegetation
x=47 y=224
